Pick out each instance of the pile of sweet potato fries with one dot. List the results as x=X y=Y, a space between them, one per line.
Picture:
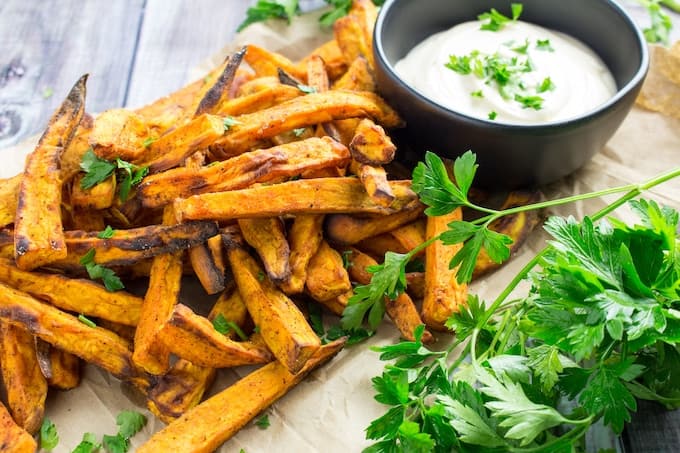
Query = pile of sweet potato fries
x=261 y=176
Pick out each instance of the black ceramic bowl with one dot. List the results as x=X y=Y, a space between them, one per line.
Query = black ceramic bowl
x=510 y=155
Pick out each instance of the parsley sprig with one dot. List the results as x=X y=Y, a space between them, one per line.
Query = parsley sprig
x=497 y=21
x=597 y=329
x=661 y=24
x=98 y=170
x=96 y=271
x=442 y=194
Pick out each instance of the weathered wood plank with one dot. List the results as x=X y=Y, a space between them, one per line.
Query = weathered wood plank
x=45 y=46
x=175 y=37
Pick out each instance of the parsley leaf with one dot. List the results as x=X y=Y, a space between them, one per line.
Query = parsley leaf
x=130 y=423
x=107 y=233
x=605 y=393
x=298 y=132
x=229 y=121
x=477 y=94
x=87 y=321
x=96 y=169
x=269 y=9
x=544 y=44
x=224 y=326
x=434 y=187
x=263 y=422
x=306 y=88
x=496 y=20
x=661 y=25
x=96 y=271
x=492 y=115
x=546 y=85
x=49 y=438
x=340 y=9
x=115 y=444
x=530 y=102
x=89 y=444
x=132 y=175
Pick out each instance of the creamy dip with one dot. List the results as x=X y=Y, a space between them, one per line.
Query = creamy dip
x=567 y=76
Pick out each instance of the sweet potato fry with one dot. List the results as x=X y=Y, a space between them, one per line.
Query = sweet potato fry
x=332 y=57
x=371 y=145
x=86 y=220
x=359 y=77
x=193 y=338
x=268 y=237
x=443 y=294
x=219 y=92
x=266 y=63
x=205 y=427
x=38 y=232
x=327 y=278
x=64 y=331
x=150 y=352
x=410 y=235
x=100 y=196
x=377 y=246
x=172 y=148
x=76 y=295
x=206 y=266
x=376 y=184
x=402 y=310
x=119 y=133
x=259 y=100
x=135 y=244
x=349 y=229
x=304 y=196
x=25 y=385
x=317 y=77
x=304 y=238
x=73 y=153
x=351 y=39
x=9 y=194
x=283 y=328
x=314 y=108
x=61 y=369
x=240 y=171
x=13 y=438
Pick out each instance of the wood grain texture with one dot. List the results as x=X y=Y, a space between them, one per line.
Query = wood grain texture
x=46 y=46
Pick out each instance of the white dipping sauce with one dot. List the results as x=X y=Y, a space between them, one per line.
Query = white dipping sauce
x=581 y=81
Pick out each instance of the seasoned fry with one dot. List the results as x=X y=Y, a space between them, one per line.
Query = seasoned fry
x=13 y=438
x=64 y=369
x=62 y=330
x=330 y=53
x=305 y=196
x=443 y=294
x=100 y=196
x=410 y=235
x=266 y=63
x=119 y=133
x=9 y=194
x=402 y=310
x=73 y=153
x=25 y=385
x=265 y=98
x=283 y=328
x=76 y=295
x=352 y=40
x=165 y=280
x=348 y=229
x=205 y=427
x=206 y=267
x=377 y=246
x=327 y=278
x=304 y=238
x=317 y=77
x=358 y=77
x=268 y=237
x=262 y=165
x=371 y=145
x=219 y=92
x=376 y=184
x=193 y=338
x=172 y=148
x=314 y=108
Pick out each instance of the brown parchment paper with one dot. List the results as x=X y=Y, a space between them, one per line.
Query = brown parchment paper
x=329 y=411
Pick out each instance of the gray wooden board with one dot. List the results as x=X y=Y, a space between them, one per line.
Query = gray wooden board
x=138 y=50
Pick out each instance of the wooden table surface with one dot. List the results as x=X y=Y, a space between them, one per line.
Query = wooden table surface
x=138 y=50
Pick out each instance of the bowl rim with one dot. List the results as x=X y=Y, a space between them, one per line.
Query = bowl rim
x=622 y=92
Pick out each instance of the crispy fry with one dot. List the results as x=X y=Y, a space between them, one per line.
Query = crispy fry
x=377 y=246
x=304 y=196
x=73 y=153
x=205 y=427
x=317 y=77
x=402 y=310
x=193 y=338
x=262 y=99
x=348 y=229
x=268 y=237
x=206 y=267
x=358 y=77
x=135 y=244
x=219 y=92
x=314 y=108
x=443 y=294
x=376 y=184
x=304 y=238
x=351 y=38
x=240 y=171
x=65 y=369
x=327 y=278
x=172 y=148
x=119 y=133
x=13 y=438
x=62 y=330
x=76 y=295
x=371 y=145
x=410 y=235
x=150 y=353
x=366 y=14
x=86 y=220
x=25 y=385
x=100 y=196
x=266 y=63
x=415 y=284
x=332 y=57
x=9 y=194
x=283 y=328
